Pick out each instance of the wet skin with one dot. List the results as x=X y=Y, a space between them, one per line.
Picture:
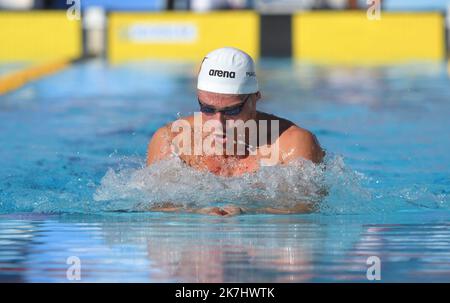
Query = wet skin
x=293 y=142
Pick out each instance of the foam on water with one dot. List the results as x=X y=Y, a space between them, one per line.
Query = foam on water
x=58 y=141
x=332 y=186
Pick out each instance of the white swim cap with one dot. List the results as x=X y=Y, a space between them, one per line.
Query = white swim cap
x=228 y=70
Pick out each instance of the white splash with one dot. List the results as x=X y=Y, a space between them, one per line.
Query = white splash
x=275 y=186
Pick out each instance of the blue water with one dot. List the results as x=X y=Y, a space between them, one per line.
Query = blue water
x=73 y=179
x=7 y=68
x=414 y=5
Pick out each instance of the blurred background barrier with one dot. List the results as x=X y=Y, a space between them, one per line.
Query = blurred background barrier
x=180 y=35
x=348 y=37
x=126 y=5
x=289 y=6
x=39 y=36
x=19 y=78
x=334 y=31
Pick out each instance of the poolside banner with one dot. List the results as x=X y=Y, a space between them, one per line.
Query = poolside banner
x=180 y=35
x=158 y=33
x=352 y=37
x=39 y=36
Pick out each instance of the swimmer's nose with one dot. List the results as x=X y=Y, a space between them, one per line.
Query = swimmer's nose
x=220 y=117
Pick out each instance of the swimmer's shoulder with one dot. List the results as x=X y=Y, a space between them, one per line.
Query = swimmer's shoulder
x=168 y=131
x=295 y=141
x=159 y=147
x=300 y=142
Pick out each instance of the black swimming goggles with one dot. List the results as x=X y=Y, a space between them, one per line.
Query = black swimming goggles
x=230 y=111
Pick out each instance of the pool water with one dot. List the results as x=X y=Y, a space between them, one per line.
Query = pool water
x=74 y=181
x=9 y=68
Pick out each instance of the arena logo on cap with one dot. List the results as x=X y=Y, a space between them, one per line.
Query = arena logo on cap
x=222 y=73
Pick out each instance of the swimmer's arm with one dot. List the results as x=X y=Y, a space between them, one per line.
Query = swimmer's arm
x=217 y=211
x=300 y=143
x=300 y=208
x=159 y=146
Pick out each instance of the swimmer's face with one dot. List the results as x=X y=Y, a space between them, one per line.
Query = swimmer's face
x=243 y=107
x=225 y=107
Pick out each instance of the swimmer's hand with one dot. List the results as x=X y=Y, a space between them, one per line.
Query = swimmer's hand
x=226 y=211
x=231 y=210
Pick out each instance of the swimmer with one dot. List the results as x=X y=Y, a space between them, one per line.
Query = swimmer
x=211 y=140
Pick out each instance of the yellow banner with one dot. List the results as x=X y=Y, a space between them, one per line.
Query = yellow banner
x=351 y=37
x=180 y=35
x=39 y=36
